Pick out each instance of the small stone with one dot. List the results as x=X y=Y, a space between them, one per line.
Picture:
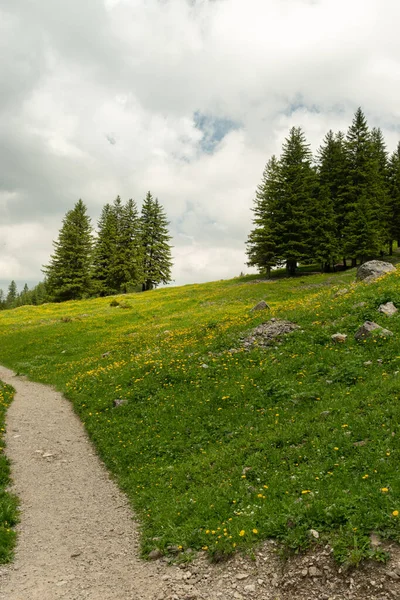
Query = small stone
x=261 y=306
x=325 y=413
x=388 y=309
x=155 y=554
x=119 y=402
x=339 y=338
x=251 y=588
x=392 y=575
x=368 y=363
x=304 y=572
x=260 y=581
x=314 y=572
x=314 y=533
x=237 y=596
x=76 y=554
x=105 y=354
x=361 y=443
x=48 y=455
x=241 y=576
x=204 y=366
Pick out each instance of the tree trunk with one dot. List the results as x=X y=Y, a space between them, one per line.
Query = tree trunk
x=268 y=271
x=291 y=265
x=344 y=262
x=391 y=248
x=353 y=262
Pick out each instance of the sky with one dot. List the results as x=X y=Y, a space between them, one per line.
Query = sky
x=185 y=98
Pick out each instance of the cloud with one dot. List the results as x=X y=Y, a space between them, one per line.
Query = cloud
x=187 y=99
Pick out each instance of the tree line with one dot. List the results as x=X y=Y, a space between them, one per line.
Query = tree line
x=343 y=205
x=131 y=252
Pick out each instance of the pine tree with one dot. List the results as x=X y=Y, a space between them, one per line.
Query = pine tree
x=105 y=251
x=361 y=231
x=380 y=203
x=11 y=295
x=261 y=243
x=394 y=198
x=68 y=275
x=118 y=249
x=292 y=226
x=157 y=261
x=331 y=165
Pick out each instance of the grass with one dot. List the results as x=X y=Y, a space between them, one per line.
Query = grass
x=219 y=449
x=8 y=502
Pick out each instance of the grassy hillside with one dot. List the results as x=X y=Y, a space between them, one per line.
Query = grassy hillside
x=8 y=502
x=218 y=447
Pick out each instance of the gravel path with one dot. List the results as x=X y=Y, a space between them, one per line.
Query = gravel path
x=77 y=539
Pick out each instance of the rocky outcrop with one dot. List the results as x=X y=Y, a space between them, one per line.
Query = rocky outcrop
x=373 y=269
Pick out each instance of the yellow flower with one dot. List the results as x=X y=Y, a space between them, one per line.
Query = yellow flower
x=242 y=533
x=395 y=513
x=336 y=448
x=255 y=530
x=306 y=491
x=384 y=490
x=365 y=476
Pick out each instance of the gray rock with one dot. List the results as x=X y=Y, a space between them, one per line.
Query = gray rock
x=241 y=576
x=369 y=329
x=339 y=338
x=388 y=309
x=261 y=306
x=359 y=304
x=314 y=534
x=373 y=269
x=119 y=402
x=251 y=588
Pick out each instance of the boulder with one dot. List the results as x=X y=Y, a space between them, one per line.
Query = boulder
x=373 y=269
x=369 y=329
x=388 y=309
x=261 y=306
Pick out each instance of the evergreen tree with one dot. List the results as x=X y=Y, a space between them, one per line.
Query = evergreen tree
x=11 y=295
x=331 y=164
x=362 y=228
x=157 y=261
x=292 y=227
x=105 y=252
x=68 y=275
x=380 y=203
x=118 y=249
x=261 y=243
x=2 y=300
x=394 y=199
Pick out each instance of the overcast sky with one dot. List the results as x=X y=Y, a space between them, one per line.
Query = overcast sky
x=188 y=99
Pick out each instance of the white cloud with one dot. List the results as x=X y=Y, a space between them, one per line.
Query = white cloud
x=99 y=99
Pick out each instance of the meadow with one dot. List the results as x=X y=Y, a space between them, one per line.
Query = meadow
x=218 y=447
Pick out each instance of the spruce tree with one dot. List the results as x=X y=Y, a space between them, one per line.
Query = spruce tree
x=331 y=165
x=380 y=203
x=156 y=250
x=11 y=295
x=68 y=275
x=261 y=243
x=118 y=249
x=394 y=198
x=292 y=228
x=362 y=229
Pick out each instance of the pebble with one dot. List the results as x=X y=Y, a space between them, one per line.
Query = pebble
x=241 y=576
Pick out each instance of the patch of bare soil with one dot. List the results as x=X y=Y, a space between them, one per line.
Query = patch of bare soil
x=77 y=539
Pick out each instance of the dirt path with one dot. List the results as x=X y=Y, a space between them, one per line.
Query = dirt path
x=77 y=539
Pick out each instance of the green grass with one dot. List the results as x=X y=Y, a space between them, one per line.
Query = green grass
x=8 y=502
x=218 y=450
